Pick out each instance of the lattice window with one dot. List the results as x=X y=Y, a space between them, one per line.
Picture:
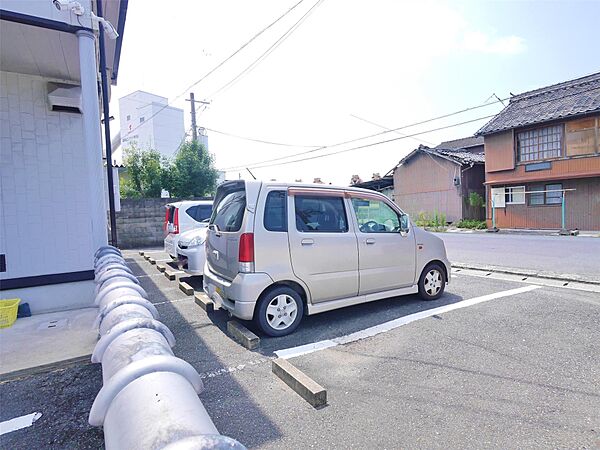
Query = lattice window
x=541 y=143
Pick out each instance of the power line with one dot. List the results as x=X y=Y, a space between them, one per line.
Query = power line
x=210 y=72
x=260 y=140
x=371 y=144
x=387 y=128
x=408 y=126
x=267 y=52
x=350 y=141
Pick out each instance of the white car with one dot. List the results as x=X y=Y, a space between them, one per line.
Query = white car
x=181 y=217
x=191 y=255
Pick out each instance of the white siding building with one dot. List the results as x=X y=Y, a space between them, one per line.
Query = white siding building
x=52 y=209
x=147 y=121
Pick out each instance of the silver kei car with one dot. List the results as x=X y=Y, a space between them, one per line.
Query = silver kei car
x=277 y=251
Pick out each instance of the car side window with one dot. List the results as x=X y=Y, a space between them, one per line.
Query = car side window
x=320 y=214
x=375 y=216
x=199 y=212
x=230 y=212
x=275 y=218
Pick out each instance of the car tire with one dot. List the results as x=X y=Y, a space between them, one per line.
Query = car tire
x=280 y=301
x=432 y=282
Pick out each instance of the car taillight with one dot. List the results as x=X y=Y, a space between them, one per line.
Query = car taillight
x=176 y=222
x=166 y=224
x=246 y=253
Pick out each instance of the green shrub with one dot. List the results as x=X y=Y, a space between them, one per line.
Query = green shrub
x=472 y=224
x=476 y=200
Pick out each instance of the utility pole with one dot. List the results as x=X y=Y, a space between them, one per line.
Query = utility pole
x=194 y=127
x=193 y=101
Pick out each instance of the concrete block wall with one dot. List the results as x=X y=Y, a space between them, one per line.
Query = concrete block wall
x=140 y=222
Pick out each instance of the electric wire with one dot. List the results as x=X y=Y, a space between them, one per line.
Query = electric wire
x=367 y=145
x=262 y=141
x=350 y=141
x=267 y=52
x=223 y=62
x=407 y=126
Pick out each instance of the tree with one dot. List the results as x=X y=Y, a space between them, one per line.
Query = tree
x=147 y=173
x=193 y=173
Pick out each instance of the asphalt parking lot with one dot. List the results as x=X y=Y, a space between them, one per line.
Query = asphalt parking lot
x=518 y=369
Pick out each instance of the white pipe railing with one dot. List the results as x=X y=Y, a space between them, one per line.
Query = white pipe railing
x=149 y=398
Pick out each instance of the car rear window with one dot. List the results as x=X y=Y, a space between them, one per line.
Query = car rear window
x=199 y=212
x=276 y=211
x=317 y=214
x=229 y=212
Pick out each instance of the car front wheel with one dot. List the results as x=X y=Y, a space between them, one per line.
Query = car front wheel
x=279 y=311
x=432 y=282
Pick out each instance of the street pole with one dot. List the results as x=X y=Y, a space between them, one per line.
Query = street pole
x=563 y=229
x=194 y=127
x=107 y=141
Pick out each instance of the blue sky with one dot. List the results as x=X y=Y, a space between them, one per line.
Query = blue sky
x=389 y=62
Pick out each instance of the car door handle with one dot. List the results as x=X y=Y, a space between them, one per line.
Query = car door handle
x=370 y=241
x=307 y=242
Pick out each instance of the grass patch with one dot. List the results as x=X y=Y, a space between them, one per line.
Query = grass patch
x=432 y=222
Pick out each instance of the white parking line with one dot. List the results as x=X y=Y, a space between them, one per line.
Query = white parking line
x=174 y=301
x=19 y=422
x=387 y=326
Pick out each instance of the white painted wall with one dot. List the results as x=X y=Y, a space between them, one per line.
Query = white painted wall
x=55 y=297
x=46 y=225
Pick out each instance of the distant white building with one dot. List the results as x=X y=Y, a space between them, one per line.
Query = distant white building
x=147 y=121
x=203 y=138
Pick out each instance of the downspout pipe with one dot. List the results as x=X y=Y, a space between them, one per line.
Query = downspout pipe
x=107 y=141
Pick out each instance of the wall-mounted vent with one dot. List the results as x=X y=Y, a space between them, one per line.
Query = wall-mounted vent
x=64 y=97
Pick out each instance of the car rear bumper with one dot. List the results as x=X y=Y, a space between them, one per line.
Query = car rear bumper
x=195 y=257
x=239 y=296
x=171 y=245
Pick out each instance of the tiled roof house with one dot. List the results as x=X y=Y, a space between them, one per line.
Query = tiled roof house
x=545 y=144
x=440 y=179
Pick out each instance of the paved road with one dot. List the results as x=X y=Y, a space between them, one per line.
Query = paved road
x=514 y=372
x=554 y=254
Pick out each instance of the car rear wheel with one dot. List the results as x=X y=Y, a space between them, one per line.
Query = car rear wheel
x=432 y=282
x=279 y=312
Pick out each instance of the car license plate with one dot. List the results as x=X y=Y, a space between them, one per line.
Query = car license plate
x=220 y=291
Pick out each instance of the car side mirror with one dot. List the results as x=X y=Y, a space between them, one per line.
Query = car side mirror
x=404 y=223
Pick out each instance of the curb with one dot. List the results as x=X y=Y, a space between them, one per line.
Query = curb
x=170 y=274
x=301 y=384
x=243 y=335
x=202 y=300
x=527 y=273
x=186 y=288
x=44 y=368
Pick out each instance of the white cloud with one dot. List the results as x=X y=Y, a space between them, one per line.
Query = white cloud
x=481 y=42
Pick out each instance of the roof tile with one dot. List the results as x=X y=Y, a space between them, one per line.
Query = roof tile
x=568 y=99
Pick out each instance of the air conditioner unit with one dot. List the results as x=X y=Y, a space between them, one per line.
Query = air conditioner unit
x=64 y=97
